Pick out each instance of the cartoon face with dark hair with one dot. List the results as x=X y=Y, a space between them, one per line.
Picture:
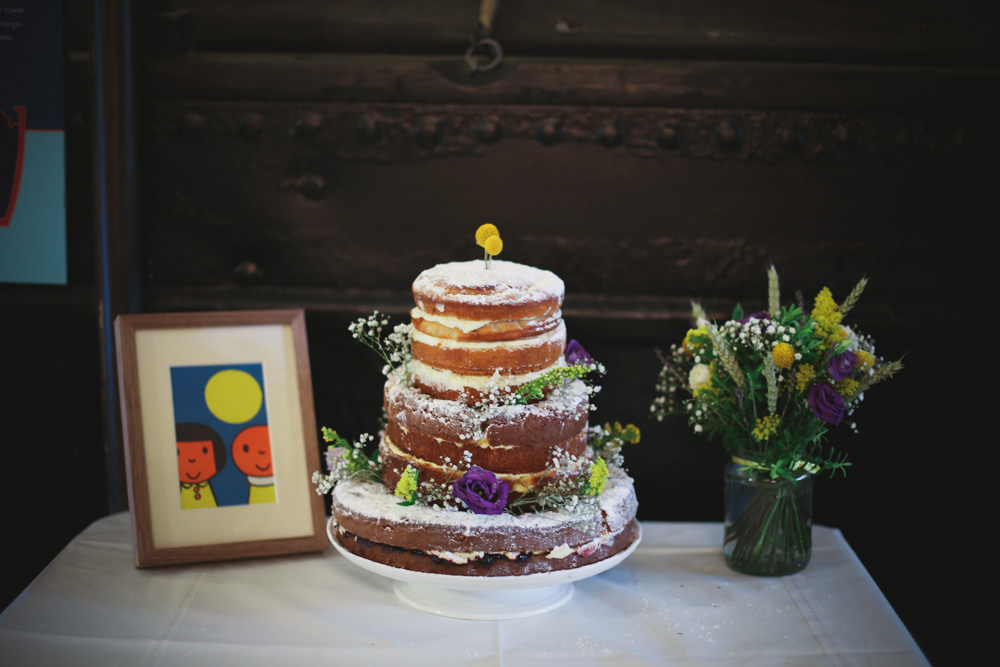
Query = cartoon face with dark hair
x=252 y=451
x=201 y=454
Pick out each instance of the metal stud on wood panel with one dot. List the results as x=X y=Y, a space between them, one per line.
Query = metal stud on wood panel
x=369 y=128
x=549 y=131
x=669 y=136
x=488 y=131
x=609 y=133
x=428 y=131
x=309 y=125
x=728 y=135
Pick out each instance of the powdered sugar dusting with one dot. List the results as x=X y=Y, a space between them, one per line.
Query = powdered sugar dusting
x=376 y=504
x=503 y=282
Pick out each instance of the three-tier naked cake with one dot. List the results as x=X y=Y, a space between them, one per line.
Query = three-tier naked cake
x=487 y=463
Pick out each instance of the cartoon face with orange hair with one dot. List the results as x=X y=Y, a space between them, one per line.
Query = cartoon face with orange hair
x=252 y=451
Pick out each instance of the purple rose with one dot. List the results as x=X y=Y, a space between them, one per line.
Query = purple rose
x=575 y=354
x=842 y=365
x=481 y=491
x=826 y=403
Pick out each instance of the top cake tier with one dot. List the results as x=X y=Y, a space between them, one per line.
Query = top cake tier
x=479 y=330
x=470 y=292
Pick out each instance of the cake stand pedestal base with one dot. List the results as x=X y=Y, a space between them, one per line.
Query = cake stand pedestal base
x=483 y=605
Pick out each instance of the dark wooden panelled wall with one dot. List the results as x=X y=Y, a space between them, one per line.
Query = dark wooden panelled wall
x=230 y=155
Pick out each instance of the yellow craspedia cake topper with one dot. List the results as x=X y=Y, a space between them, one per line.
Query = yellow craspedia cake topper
x=484 y=232
x=488 y=236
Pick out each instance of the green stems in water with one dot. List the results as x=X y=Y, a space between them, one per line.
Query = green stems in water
x=768 y=529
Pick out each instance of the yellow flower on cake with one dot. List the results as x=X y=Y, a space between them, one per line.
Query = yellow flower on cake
x=406 y=487
x=484 y=232
x=493 y=245
x=598 y=477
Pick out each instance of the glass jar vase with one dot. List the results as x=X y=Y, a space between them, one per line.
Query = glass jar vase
x=768 y=526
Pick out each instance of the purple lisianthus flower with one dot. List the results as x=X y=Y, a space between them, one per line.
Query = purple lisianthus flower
x=481 y=491
x=332 y=454
x=760 y=315
x=826 y=403
x=575 y=354
x=842 y=365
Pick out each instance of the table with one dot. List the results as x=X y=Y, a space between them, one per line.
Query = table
x=673 y=601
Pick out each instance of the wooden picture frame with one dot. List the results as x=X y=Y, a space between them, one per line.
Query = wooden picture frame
x=200 y=382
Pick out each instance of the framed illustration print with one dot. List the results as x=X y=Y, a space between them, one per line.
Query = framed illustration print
x=220 y=435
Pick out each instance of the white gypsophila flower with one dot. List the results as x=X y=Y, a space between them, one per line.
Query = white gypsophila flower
x=853 y=337
x=700 y=375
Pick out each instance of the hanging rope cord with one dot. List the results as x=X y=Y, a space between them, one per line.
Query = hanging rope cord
x=485 y=52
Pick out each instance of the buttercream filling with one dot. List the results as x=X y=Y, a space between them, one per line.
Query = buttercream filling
x=518 y=483
x=448 y=381
x=558 y=553
x=467 y=326
x=556 y=335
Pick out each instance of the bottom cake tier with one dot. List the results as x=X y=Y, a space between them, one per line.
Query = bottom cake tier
x=371 y=524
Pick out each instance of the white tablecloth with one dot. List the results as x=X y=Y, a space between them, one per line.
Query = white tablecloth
x=673 y=601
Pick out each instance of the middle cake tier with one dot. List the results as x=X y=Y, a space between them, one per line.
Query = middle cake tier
x=531 y=446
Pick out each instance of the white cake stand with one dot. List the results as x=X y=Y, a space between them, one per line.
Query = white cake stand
x=483 y=598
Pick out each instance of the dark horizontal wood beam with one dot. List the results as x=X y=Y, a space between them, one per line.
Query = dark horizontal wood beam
x=874 y=31
x=677 y=84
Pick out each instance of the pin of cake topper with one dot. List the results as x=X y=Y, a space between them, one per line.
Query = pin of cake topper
x=488 y=237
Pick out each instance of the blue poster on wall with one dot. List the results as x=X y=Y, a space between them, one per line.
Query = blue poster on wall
x=32 y=143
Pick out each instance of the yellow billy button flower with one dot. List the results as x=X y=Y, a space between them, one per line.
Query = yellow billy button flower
x=783 y=355
x=695 y=340
x=493 y=245
x=485 y=232
x=865 y=361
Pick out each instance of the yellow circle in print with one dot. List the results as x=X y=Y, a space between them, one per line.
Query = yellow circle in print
x=233 y=396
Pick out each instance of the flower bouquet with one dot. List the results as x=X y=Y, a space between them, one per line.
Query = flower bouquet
x=770 y=385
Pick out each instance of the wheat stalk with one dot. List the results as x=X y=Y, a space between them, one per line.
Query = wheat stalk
x=854 y=296
x=772 y=382
x=727 y=358
x=773 y=294
x=879 y=374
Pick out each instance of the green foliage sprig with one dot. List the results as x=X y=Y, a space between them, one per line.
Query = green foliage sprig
x=535 y=389
x=347 y=460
